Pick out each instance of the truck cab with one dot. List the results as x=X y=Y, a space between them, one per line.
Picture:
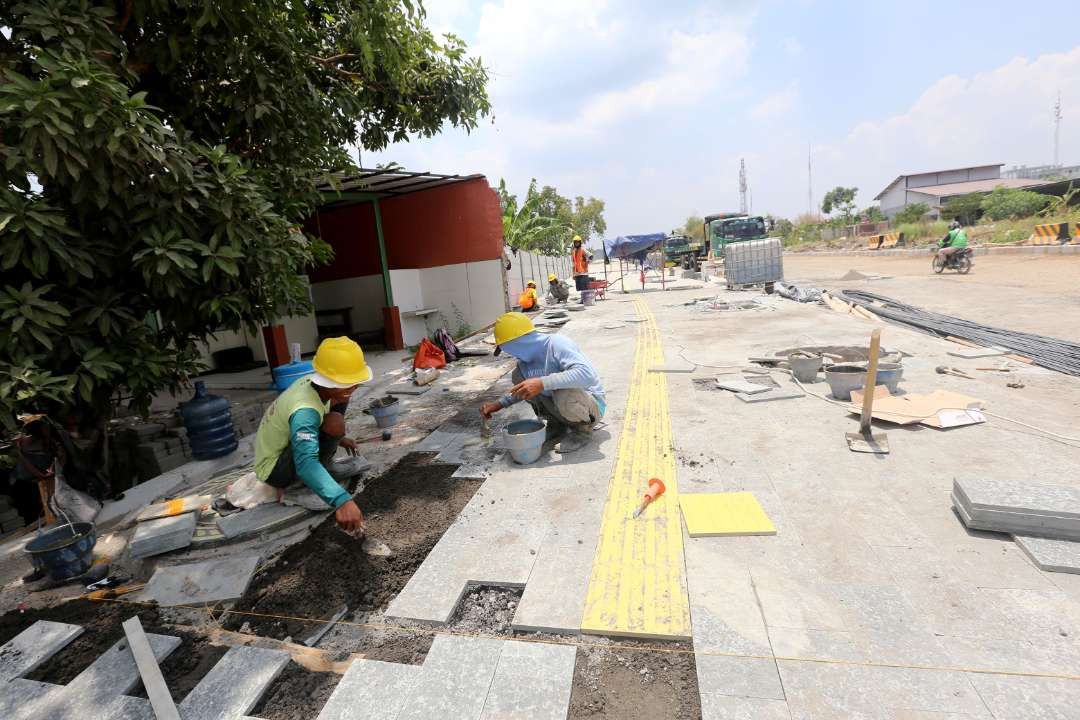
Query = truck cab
x=736 y=229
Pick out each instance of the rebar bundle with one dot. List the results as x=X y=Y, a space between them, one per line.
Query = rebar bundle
x=1047 y=352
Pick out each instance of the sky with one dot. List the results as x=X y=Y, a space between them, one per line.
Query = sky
x=650 y=106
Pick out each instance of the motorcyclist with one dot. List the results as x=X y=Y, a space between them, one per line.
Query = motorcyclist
x=954 y=241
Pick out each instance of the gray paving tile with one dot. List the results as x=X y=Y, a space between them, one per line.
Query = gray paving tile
x=154 y=537
x=1051 y=555
x=1007 y=494
x=257 y=519
x=726 y=707
x=819 y=690
x=1019 y=523
x=1029 y=698
x=438 y=440
x=455 y=680
x=98 y=691
x=200 y=583
x=739 y=676
x=371 y=690
x=768 y=395
x=26 y=651
x=234 y=685
x=532 y=680
x=19 y=693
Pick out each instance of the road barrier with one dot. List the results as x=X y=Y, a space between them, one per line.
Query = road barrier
x=885 y=240
x=1050 y=234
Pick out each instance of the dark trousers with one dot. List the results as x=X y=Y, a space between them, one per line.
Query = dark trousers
x=581 y=282
x=284 y=473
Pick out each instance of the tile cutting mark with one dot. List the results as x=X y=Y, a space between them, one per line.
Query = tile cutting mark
x=638 y=582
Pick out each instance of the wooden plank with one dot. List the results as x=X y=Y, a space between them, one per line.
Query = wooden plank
x=154 y=682
x=638 y=582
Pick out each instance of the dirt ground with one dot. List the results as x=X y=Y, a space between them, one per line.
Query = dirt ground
x=1012 y=291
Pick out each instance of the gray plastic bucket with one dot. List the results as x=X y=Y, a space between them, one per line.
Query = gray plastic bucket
x=385 y=415
x=525 y=440
x=805 y=369
x=889 y=375
x=843 y=379
x=588 y=297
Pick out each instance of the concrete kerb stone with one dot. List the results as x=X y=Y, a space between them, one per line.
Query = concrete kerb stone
x=33 y=646
x=235 y=684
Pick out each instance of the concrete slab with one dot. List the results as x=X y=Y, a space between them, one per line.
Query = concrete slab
x=741 y=386
x=1028 y=697
x=257 y=519
x=1051 y=555
x=532 y=680
x=1006 y=494
x=1018 y=522
x=153 y=681
x=200 y=583
x=725 y=707
x=371 y=690
x=33 y=646
x=769 y=395
x=20 y=693
x=154 y=537
x=235 y=684
x=176 y=506
x=739 y=676
x=455 y=679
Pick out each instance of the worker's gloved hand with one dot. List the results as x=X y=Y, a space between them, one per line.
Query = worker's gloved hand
x=528 y=389
x=487 y=409
x=349 y=444
x=349 y=518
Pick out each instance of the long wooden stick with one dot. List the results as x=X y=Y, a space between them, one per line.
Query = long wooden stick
x=871 y=381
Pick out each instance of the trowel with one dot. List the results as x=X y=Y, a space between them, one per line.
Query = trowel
x=865 y=440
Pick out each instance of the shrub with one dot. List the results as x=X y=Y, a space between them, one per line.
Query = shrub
x=1004 y=203
x=912 y=213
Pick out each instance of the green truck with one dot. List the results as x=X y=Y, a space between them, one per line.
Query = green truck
x=682 y=250
x=725 y=228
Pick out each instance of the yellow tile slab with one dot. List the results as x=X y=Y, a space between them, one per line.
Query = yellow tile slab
x=638 y=582
x=734 y=513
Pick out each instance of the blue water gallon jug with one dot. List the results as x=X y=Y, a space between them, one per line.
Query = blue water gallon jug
x=209 y=424
x=285 y=375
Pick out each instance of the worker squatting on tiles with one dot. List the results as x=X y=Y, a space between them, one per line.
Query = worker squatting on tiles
x=303 y=428
x=554 y=377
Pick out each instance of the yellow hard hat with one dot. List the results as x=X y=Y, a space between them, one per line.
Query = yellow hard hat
x=339 y=363
x=531 y=283
x=552 y=277
x=511 y=326
x=577 y=238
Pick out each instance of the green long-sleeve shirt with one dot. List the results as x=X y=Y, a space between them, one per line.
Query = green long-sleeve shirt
x=304 y=440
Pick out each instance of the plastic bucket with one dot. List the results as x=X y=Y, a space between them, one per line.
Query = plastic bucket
x=525 y=440
x=385 y=415
x=805 y=369
x=588 y=297
x=843 y=379
x=63 y=552
x=285 y=375
x=889 y=375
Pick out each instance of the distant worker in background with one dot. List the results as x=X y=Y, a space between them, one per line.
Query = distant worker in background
x=528 y=300
x=580 y=256
x=554 y=377
x=955 y=240
x=558 y=291
x=303 y=428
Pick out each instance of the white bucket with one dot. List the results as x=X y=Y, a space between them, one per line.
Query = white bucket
x=588 y=297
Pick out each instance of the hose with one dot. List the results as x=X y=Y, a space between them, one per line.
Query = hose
x=1048 y=352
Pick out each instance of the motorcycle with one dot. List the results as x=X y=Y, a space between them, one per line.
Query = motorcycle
x=960 y=261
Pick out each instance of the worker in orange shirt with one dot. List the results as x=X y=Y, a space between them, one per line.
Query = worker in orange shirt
x=528 y=300
x=581 y=265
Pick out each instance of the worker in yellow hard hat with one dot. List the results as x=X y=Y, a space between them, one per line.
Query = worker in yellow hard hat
x=553 y=376
x=558 y=291
x=527 y=300
x=302 y=429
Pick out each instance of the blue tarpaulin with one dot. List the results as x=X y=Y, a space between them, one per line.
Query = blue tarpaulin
x=631 y=246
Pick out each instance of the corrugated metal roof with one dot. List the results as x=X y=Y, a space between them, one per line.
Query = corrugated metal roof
x=934 y=172
x=962 y=188
x=390 y=182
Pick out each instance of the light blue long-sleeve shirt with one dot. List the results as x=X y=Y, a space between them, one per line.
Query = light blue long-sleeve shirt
x=558 y=361
x=304 y=440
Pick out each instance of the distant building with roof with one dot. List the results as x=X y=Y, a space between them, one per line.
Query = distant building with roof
x=935 y=189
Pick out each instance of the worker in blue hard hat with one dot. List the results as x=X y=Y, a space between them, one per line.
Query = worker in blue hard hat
x=554 y=377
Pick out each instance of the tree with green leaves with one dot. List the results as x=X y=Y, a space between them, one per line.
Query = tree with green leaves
x=871 y=213
x=583 y=217
x=694 y=227
x=912 y=213
x=1001 y=203
x=841 y=199
x=965 y=209
x=525 y=228
x=159 y=158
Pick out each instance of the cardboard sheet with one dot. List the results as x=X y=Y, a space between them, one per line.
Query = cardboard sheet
x=939 y=409
x=720 y=514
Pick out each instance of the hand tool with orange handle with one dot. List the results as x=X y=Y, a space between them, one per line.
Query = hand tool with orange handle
x=656 y=489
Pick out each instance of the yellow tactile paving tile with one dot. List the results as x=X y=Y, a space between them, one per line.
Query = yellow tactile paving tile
x=638 y=583
x=718 y=514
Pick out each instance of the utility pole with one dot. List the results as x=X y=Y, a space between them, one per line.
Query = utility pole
x=742 y=186
x=1057 y=127
x=809 y=185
